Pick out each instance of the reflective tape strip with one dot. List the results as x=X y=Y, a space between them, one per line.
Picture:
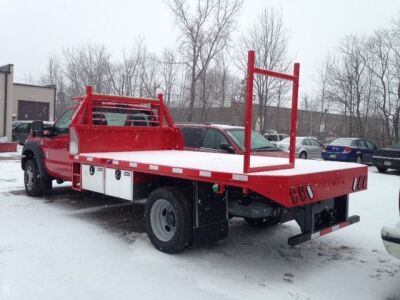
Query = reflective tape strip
x=177 y=170
x=89 y=158
x=115 y=162
x=153 y=167
x=133 y=164
x=310 y=192
x=240 y=177
x=76 y=157
x=329 y=230
x=336 y=227
x=355 y=183
x=205 y=173
x=315 y=235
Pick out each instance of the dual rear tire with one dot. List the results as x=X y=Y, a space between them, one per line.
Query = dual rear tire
x=169 y=219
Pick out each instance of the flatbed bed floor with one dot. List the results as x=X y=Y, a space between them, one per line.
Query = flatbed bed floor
x=220 y=162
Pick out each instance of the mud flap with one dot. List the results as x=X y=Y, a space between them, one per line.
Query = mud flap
x=210 y=214
x=318 y=219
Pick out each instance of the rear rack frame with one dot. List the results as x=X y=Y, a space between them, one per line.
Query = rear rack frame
x=251 y=71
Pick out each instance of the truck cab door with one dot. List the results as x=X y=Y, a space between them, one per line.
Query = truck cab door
x=56 y=148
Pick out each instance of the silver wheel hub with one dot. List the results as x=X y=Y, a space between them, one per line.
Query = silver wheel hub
x=28 y=178
x=163 y=220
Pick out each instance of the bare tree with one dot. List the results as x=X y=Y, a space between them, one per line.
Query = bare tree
x=54 y=76
x=323 y=82
x=379 y=64
x=205 y=32
x=269 y=38
x=169 y=73
x=395 y=70
x=124 y=75
x=353 y=83
x=86 y=66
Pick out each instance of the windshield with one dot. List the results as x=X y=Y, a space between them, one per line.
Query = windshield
x=287 y=140
x=342 y=142
x=395 y=146
x=258 y=142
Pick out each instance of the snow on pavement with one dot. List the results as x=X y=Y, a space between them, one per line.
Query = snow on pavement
x=70 y=246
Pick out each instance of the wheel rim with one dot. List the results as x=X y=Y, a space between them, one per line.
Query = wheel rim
x=28 y=178
x=163 y=220
x=303 y=155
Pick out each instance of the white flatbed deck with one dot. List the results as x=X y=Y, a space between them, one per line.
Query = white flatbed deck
x=221 y=162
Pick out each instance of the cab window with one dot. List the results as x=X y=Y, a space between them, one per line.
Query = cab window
x=316 y=143
x=214 y=139
x=370 y=146
x=361 y=144
x=193 y=137
x=63 y=122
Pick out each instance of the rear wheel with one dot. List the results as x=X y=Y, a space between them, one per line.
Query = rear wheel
x=382 y=169
x=33 y=186
x=303 y=155
x=168 y=219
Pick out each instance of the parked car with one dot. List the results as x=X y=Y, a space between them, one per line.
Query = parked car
x=225 y=138
x=387 y=158
x=350 y=149
x=21 y=130
x=391 y=238
x=306 y=147
x=275 y=137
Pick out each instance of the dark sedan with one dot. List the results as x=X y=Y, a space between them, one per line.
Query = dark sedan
x=22 y=129
x=387 y=158
x=349 y=149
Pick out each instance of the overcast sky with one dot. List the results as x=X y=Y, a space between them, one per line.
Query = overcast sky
x=32 y=30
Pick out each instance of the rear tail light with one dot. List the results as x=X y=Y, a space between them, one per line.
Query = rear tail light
x=323 y=148
x=346 y=150
x=360 y=183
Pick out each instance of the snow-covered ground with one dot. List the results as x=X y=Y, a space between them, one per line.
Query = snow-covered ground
x=67 y=246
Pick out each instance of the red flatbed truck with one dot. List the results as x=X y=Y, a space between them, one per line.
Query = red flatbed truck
x=129 y=148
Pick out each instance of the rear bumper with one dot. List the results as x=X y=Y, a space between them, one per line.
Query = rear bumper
x=391 y=239
x=337 y=156
x=304 y=237
x=386 y=162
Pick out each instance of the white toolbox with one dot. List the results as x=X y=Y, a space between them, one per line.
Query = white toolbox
x=119 y=183
x=93 y=178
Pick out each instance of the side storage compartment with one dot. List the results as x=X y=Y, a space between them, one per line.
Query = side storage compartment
x=93 y=178
x=119 y=183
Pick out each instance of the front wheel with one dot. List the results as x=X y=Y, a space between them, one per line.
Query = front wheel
x=303 y=155
x=33 y=186
x=168 y=219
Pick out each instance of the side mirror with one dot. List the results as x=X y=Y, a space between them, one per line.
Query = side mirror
x=37 y=128
x=227 y=148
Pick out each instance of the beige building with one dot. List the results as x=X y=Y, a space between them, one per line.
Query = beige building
x=23 y=101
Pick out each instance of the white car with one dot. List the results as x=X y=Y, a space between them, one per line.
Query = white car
x=391 y=238
x=306 y=147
